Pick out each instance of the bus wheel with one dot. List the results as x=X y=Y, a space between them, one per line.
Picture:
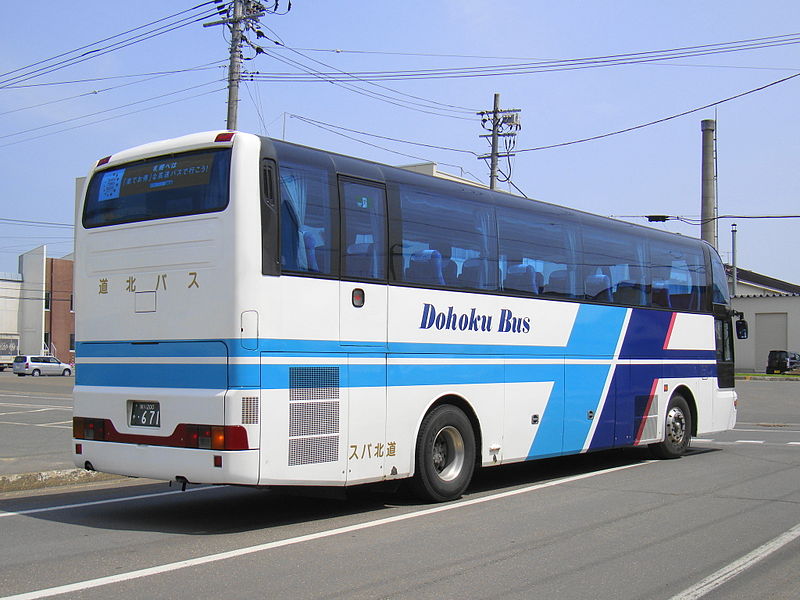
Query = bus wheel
x=445 y=455
x=678 y=430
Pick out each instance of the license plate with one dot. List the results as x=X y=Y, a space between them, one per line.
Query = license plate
x=146 y=414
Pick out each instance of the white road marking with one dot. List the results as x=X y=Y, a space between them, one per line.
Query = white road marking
x=768 y=430
x=54 y=396
x=793 y=443
x=31 y=424
x=18 y=405
x=32 y=511
x=27 y=412
x=749 y=441
x=735 y=568
x=211 y=558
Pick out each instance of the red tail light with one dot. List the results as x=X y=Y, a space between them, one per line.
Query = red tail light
x=88 y=429
x=225 y=137
x=206 y=437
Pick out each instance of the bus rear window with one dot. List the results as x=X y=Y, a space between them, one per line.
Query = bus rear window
x=168 y=186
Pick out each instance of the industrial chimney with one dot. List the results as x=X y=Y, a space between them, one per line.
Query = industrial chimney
x=708 y=203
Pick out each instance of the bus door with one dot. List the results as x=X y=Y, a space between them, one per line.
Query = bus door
x=724 y=345
x=363 y=325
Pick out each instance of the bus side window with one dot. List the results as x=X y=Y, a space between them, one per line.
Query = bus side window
x=621 y=261
x=307 y=220
x=537 y=254
x=445 y=241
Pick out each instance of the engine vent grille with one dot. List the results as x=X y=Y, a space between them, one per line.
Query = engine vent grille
x=313 y=415
x=313 y=418
x=305 y=451
x=650 y=425
x=250 y=410
x=313 y=383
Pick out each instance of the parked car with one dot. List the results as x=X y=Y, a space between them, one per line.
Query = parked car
x=780 y=361
x=28 y=364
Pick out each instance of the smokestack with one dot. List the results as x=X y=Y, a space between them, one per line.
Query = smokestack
x=708 y=208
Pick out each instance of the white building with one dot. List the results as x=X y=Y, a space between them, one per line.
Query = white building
x=36 y=308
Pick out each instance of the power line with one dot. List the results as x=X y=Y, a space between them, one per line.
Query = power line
x=333 y=129
x=205 y=67
x=107 y=110
x=29 y=72
x=761 y=41
x=133 y=112
x=28 y=223
x=108 y=89
x=541 y=66
x=383 y=137
x=662 y=120
x=344 y=82
x=100 y=41
x=440 y=105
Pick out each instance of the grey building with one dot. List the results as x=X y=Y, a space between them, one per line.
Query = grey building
x=772 y=309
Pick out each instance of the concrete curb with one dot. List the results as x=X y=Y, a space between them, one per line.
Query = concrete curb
x=765 y=378
x=46 y=479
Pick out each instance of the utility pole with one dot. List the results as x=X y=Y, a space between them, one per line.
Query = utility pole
x=734 y=268
x=502 y=124
x=243 y=11
x=235 y=64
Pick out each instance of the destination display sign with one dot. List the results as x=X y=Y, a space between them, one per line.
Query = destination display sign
x=162 y=174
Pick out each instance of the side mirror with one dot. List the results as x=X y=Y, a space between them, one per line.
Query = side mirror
x=741 y=329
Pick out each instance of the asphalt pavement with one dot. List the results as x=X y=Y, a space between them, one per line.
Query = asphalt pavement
x=36 y=433
x=36 y=424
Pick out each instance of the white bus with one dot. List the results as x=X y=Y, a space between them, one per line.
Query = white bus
x=254 y=312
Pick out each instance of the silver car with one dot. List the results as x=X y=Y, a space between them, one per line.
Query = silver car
x=29 y=364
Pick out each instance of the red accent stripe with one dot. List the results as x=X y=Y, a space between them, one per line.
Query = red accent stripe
x=235 y=437
x=647 y=408
x=669 y=331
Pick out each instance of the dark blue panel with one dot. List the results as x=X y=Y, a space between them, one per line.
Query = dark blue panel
x=153 y=375
x=647 y=335
x=647 y=332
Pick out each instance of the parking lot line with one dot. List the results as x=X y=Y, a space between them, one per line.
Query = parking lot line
x=727 y=573
x=57 y=426
x=18 y=405
x=28 y=412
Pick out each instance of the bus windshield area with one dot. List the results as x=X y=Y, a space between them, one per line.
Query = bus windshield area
x=167 y=186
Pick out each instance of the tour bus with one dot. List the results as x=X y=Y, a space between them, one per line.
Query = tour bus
x=255 y=312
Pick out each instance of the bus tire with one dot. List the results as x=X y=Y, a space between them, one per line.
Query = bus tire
x=445 y=455
x=677 y=430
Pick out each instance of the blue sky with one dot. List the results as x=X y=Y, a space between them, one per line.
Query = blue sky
x=52 y=131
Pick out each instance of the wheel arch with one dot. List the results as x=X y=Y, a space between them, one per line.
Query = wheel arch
x=686 y=394
x=461 y=403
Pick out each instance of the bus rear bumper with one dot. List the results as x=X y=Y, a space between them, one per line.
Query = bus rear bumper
x=239 y=467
